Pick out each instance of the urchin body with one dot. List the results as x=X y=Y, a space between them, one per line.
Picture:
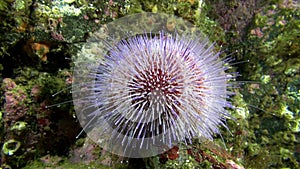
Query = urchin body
x=159 y=85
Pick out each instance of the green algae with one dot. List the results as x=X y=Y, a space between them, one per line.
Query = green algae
x=24 y=118
x=58 y=162
x=268 y=107
x=265 y=132
x=273 y=51
x=32 y=54
x=10 y=147
x=19 y=125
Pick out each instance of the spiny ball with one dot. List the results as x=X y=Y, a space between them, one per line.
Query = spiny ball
x=153 y=90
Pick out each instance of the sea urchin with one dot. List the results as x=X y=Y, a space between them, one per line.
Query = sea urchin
x=151 y=91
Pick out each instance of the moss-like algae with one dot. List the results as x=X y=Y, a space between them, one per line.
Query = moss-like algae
x=265 y=132
x=272 y=47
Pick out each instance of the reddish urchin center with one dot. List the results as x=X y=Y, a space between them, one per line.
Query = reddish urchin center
x=155 y=86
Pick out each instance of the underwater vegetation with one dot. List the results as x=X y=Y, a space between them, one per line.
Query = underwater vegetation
x=39 y=42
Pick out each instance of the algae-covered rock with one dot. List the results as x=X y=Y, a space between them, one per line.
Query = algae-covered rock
x=40 y=39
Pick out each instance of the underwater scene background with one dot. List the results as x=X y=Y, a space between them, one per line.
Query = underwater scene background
x=40 y=40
